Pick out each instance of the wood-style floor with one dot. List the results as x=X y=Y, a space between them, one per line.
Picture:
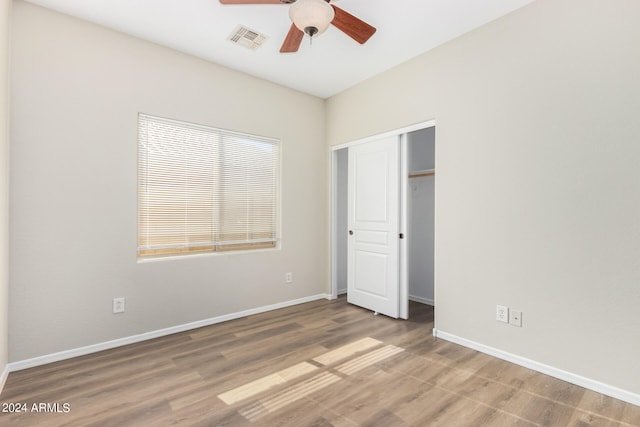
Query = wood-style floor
x=325 y=363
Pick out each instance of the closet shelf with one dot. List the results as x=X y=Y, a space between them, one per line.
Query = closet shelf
x=420 y=173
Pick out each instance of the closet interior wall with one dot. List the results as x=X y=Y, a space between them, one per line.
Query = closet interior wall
x=420 y=215
x=341 y=230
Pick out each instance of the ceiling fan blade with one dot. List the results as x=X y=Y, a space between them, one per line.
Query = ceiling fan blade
x=250 y=2
x=355 y=28
x=292 y=41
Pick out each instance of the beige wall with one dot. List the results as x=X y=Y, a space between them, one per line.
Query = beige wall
x=76 y=91
x=5 y=12
x=537 y=201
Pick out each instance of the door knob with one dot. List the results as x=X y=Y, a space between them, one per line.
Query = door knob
x=350 y=232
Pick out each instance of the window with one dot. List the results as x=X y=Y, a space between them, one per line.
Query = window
x=202 y=189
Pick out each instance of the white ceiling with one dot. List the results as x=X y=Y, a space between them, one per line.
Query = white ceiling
x=406 y=28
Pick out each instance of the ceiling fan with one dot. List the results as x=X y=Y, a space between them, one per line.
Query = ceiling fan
x=312 y=17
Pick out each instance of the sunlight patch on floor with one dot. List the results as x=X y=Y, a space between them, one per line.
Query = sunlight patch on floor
x=294 y=392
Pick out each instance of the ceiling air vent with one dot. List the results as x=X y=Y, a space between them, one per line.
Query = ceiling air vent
x=247 y=37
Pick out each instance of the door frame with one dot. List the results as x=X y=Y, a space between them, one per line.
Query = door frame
x=333 y=185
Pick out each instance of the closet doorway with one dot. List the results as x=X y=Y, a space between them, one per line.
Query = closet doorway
x=415 y=207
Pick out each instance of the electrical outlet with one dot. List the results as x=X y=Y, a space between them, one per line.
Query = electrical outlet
x=515 y=317
x=118 y=305
x=288 y=277
x=502 y=313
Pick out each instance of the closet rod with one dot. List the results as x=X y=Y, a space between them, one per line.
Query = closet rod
x=420 y=174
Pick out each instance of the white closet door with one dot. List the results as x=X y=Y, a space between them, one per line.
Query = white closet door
x=373 y=212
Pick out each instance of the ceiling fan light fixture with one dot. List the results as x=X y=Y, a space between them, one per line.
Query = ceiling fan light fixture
x=311 y=16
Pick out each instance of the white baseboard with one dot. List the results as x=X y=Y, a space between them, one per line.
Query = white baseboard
x=81 y=351
x=421 y=300
x=572 y=378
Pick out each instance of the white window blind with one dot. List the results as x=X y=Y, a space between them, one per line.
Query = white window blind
x=204 y=189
